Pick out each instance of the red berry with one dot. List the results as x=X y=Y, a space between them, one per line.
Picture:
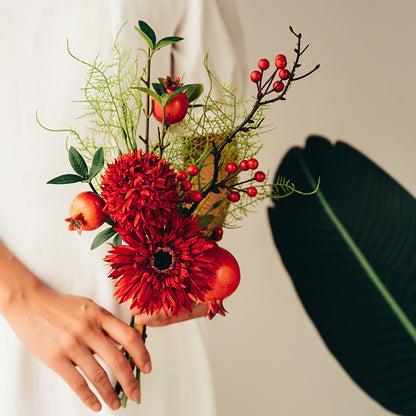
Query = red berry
x=196 y=196
x=278 y=86
x=252 y=191
x=284 y=74
x=263 y=64
x=244 y=165
x=186 y=186
x=217 y=233
x=280 y=61
x=252 y=164
x=231 y=167
x=192 y=170
x=255 y=76
x=181 y=176
x=234 y=197
x=259 y=176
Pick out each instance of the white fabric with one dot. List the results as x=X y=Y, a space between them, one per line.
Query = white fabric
x=36 y=73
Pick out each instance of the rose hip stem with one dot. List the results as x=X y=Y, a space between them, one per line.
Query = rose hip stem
x=216 y=151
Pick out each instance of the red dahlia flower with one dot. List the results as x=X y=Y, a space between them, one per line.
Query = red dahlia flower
x=139 y=188
x=163 y=268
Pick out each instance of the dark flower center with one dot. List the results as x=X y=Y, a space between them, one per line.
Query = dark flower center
x=163 y=260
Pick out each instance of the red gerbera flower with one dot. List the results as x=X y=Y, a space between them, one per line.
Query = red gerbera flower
x=139 y=188
x=163 y=268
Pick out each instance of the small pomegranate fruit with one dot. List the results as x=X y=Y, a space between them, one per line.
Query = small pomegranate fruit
x=86 y=212
x=175 y=110
x=226 y=281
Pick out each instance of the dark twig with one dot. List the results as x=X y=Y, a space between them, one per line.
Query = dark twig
x=246 y=124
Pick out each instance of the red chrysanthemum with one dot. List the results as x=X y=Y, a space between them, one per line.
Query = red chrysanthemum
x=163 y=268
x=139 y=188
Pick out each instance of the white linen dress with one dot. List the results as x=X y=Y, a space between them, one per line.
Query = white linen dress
x=37 y=74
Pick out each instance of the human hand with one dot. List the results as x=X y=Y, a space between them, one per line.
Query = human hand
x=161 y=319
x=65 y=331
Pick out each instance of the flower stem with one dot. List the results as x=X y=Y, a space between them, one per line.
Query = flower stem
x=146 y=134
x=118 y=389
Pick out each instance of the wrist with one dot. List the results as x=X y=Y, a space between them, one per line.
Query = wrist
x=17 y=282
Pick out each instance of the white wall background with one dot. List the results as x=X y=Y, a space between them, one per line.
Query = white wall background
x=267 y=357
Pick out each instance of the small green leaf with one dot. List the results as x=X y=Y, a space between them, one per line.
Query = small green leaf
x=159 y=88
x=194 y=91
x=184 y=88
x=148 y=30
x=164 y=99
x=102 y=237
x=205 y=220
x=77 y=162
x=97 y=163
x=147 y=33
x=64 y=179
x=167 y=41
x=150 y=92
x=217 y=204
x=117 y=241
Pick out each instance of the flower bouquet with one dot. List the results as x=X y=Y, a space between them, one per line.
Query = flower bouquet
x=169 y=167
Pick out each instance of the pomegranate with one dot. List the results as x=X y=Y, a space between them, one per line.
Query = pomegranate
x=86 y=212
x=226 y=280
x=177 y=108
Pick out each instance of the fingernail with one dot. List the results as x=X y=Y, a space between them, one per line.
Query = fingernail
x=116 y=404
x=148 y=367
x=135 y=395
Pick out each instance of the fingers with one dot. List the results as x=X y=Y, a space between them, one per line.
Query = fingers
x=97 y=376
x=134 y=345
x=161 y=319
x=78 y=384
x=121 y=368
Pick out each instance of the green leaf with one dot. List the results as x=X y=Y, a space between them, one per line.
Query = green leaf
x=350 y=251
x=117 y=241
x=77 y=162
x=150 y=92
x=97 y=163
x=147 y=33
x=65 y=179
x=167 y=41
x=159 y=88
x=102 y=237
x=218 y=203
x=205 y=220
x=194 y=91
x=172 y=95
x=164 y=99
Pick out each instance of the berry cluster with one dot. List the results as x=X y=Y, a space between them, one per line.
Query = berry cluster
x=233 y=170
x=183 y=177
x=277 y=86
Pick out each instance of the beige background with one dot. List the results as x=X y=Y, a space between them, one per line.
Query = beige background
x=267 y=357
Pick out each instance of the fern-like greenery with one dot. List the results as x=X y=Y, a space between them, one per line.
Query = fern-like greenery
x=115 y=100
